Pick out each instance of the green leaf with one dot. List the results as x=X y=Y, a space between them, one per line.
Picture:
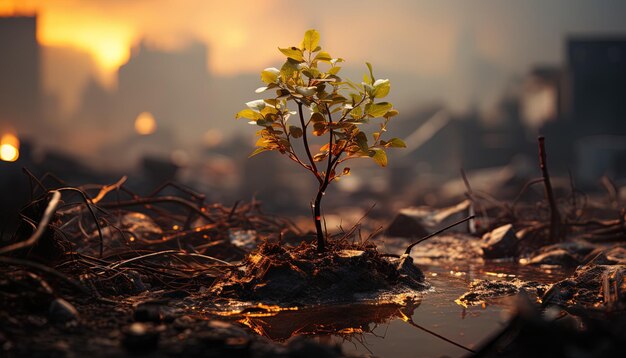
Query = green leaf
x=391 y=113
x=323 y=56
x=249 y=114
x=311 y=40
x=289 y=68
x=361 y=141
x=377 y=109
x=381 y=88
x=395 y=143
x=269 y=75
x=293 y=53
x=295 y=132
x=334 y=70
x=379 y=156
x=311 y=72
x=356 y=113
x=369 y=66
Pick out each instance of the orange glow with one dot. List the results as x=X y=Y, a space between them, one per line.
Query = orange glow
x=107 y=41
x=145 y=123
x=9 y=148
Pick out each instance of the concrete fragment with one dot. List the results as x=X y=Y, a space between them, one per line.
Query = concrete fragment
x=500 y=242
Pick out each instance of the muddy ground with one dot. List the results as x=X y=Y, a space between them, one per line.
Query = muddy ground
x=102 y=271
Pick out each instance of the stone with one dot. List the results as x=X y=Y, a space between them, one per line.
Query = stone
x=591 y=286
x=140 y=338
x=404 y=225
x=416 y=222
x=500 y=243
x=555 y=257
x=410 y=273
x=148 y=312
x=61 y=311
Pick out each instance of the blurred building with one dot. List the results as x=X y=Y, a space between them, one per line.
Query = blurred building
x=172 y=85
x=597 y=70
x=20 y=78
x=589 y=133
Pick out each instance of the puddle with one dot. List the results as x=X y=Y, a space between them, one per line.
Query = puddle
x=396 y=326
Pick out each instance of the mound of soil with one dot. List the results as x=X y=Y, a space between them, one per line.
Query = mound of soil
x=593 y=286
x=281 y=275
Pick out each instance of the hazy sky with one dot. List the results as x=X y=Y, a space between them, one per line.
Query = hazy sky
x=419 y=37
x=446 y=49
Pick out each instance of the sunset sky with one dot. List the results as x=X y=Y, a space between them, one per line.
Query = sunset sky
x=415 y=36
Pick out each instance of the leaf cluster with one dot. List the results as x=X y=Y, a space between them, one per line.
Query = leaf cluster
x=337 y=108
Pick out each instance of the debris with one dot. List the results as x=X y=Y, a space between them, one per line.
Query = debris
x=500 y=242
x=140 y=338
x=148 y=312
x=421 y=221
x=482 y=290
x=61 y=311
x=554 y=257
x=245 y=239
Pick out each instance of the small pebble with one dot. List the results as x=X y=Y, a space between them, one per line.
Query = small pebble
x=61 y=311
x=139 y=337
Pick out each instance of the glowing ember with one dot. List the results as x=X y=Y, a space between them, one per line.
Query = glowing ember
x=145 y=123
x=9 y=148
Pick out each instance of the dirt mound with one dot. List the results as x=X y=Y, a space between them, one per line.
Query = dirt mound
x=301 y=275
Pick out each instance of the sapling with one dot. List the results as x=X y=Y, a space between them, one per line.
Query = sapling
x=327 y=106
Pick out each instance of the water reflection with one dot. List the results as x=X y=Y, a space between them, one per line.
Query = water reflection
x=397 y=328
x=337 y=320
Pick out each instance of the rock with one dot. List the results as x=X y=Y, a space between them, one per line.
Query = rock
x=500 y=242
x=148 y=312
x=410 y=273
x=138 y=285
x=61 y=311
x=555 y=257
x=481 y=290
x=140 y=338
x=416 y=222
x=405 y=225
x=591 y=286
x=244 y=239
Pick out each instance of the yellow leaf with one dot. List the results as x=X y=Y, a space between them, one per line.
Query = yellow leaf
x=323 y=56
x=269 y=75
x=293 y=53
x=249 y=114
x=379 y=156
x=311 y=40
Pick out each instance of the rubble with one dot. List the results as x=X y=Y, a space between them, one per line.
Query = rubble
x=500 y=243
x=415 y=222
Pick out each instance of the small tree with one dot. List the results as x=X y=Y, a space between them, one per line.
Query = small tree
x=336 y=109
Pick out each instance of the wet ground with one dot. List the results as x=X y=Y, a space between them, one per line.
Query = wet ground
x=382 y=330
x=191 y=282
